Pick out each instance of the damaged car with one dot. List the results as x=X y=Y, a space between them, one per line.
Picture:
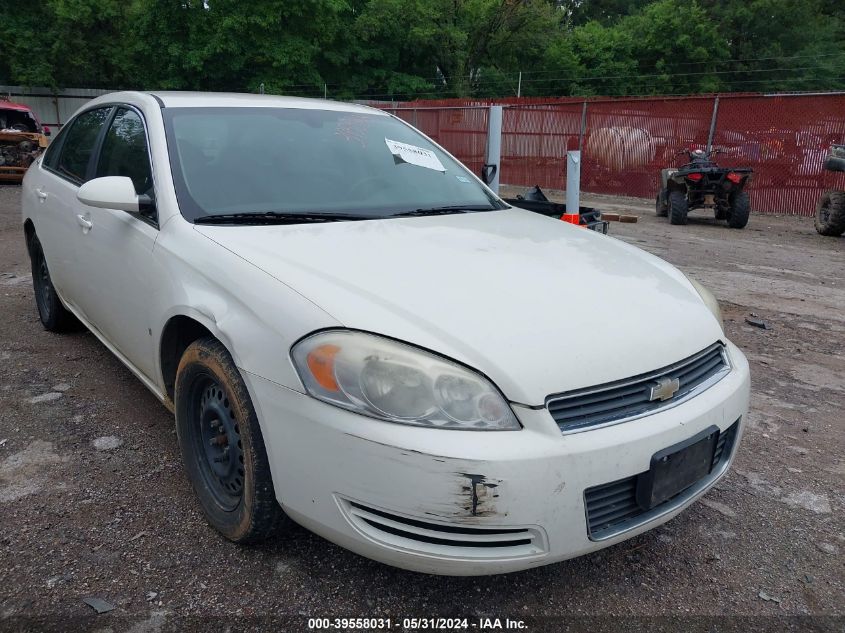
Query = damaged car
x=22 y=139
x=354 y=333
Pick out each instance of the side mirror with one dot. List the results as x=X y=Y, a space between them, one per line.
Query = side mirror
x=110 y=192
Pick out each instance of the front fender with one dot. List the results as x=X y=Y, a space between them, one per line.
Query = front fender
x=676 y=181
x=672 y=181
x=255 y=316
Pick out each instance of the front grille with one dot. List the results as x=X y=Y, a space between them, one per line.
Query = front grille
x=612 y=508
x=629 y=398
x=439 y=539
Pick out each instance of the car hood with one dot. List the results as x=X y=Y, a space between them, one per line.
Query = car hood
x=538 y=305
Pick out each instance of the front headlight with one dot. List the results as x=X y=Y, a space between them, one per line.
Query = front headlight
x=709 y=300
x=392 y=381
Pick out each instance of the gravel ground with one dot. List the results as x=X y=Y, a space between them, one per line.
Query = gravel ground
x=93 y=501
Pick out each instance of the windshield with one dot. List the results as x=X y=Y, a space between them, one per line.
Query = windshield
x=289 y=161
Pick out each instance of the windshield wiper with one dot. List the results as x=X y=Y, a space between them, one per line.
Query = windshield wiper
x=458 y=208
x=275 y=217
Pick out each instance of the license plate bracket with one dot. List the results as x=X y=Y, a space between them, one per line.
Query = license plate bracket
x=676 y=468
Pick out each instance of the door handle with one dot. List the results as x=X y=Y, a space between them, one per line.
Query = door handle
x=42 y=195
x=85 y=223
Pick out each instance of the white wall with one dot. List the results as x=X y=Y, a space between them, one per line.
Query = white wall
x=54 y=108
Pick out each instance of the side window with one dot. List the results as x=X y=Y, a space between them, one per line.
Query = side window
x=51 y=156
x=78 y=144
x=124 y=151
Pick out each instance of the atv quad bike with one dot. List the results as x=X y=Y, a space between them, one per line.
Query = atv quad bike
x=830 y=212
x=702 y=184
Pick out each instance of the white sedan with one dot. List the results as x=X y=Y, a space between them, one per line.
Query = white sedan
x=356 y=334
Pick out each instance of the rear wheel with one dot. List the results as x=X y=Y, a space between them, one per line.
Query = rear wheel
x=678 y=208
x=53 y=315
x=740 y=210
x=222 y=445
x=661 y=205
x=830 y=214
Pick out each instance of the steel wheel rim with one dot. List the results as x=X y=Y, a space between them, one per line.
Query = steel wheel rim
x=218 y=447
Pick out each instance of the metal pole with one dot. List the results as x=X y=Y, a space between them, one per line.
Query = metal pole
x=58 y=114
x=573 y=187
x=583 y=127
x=519 y=85
x=325 y=91
x=713 y=125
x=493 y=157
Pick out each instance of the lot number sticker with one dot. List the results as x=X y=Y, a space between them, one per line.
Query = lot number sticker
x=413 y=155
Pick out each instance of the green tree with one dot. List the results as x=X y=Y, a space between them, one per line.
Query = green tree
x=782 y=44
x=677 y=48
x=56 y=43
x=456 y=46
x=221 y=45
x=605 y=54
x=402 y=49
x=165 y=52
x=606 y=12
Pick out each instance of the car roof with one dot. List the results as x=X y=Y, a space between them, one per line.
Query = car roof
x=175 y=99
x=11 y=105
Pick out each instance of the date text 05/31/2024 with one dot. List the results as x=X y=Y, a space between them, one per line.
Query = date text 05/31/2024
x=446 y=624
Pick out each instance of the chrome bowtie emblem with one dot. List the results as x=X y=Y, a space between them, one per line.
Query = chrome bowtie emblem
x=664 y=389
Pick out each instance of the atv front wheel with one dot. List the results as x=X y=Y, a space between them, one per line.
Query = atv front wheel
x=740 y=210
x=678 y=207
x=661 y=205
x=830 y=214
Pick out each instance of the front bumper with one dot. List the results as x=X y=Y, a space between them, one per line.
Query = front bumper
x=473 y=502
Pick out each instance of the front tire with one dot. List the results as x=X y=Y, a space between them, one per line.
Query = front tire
x=740 y=210
x=830 y=214
x=222 y=446
x=678 y=208
x=661 y=205
x=52 y=314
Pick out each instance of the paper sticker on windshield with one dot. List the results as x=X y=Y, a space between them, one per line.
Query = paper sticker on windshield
x=413 y=155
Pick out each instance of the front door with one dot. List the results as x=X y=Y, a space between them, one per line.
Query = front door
x=119 y=246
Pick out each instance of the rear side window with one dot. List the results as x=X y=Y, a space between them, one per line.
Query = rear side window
x=78 y=144
x=51 y=156
x=124 y=151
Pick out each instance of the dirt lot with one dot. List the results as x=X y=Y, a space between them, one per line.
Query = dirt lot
x=93 y=501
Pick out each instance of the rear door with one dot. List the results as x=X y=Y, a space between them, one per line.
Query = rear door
x=119 y=245
x=64 y=168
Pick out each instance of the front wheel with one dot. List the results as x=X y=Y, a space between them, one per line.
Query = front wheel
x=661 y=205
x=830 y=214
x=678 y=207
x=222 y=445
x=740 y=210
x=53 y=315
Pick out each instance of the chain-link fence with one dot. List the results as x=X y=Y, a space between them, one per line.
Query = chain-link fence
x=626 y=142
x=458 y=127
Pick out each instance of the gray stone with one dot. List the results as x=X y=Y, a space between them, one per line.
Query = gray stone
x=45 y=397
x=107 y=443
